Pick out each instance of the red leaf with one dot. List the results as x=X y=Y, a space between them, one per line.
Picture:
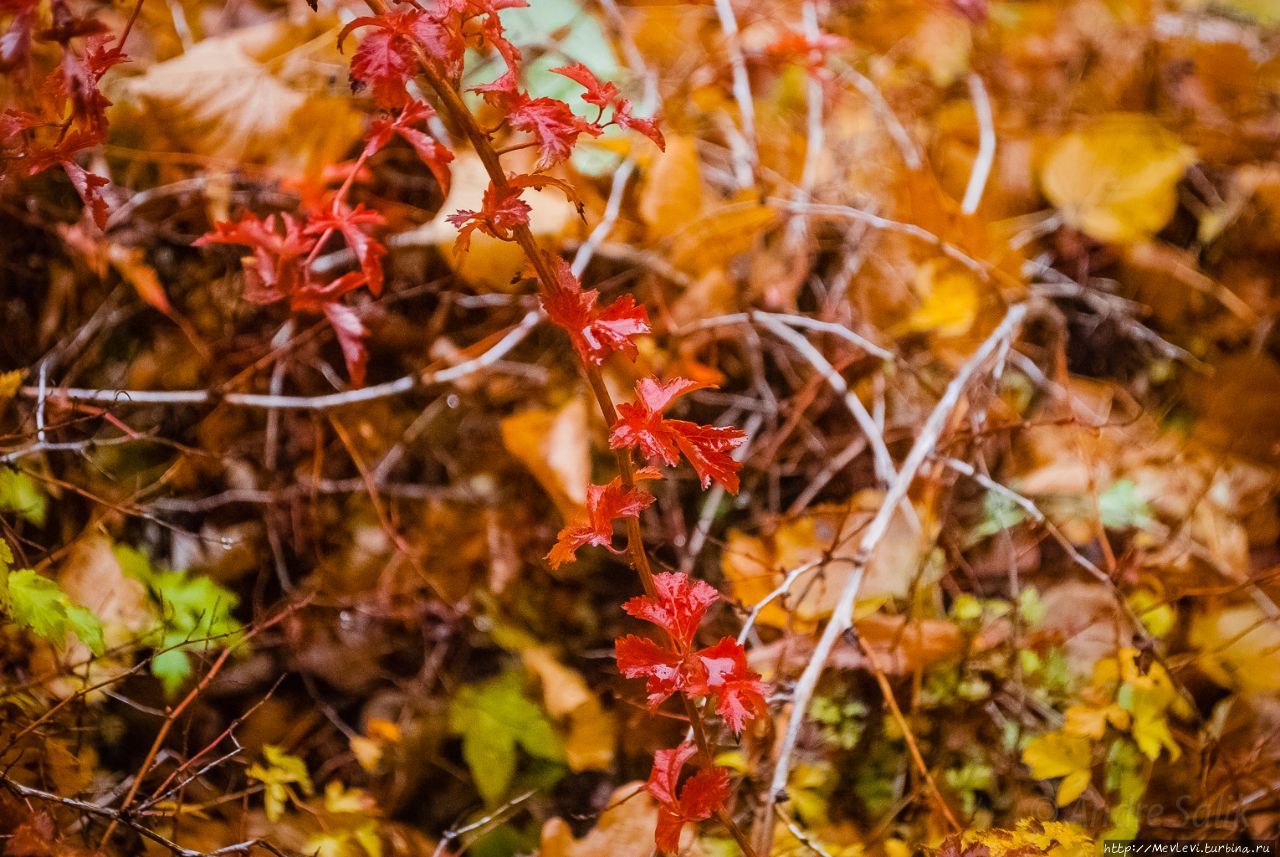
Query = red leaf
x=88 y=184
x=436 y=156
x=553 y=125
x=502 y=94
x=351 y=333
x=642 y=424
x=798 y=48
x=388 y=57
x=595 y=333
x=739 y=692
x=678 y=606
x=276 y=270
x=648 y=127
x=664 y=670
x=599 y=94
x=708 y=449
x=500 y=211
x=605 y=504
x=704 y=793
x=350 y=222
x=665 y=776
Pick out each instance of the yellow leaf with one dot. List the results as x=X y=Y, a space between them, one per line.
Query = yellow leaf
x=672 y=196
x=10 y=382
x=1116 y=179
x=593 y=732
x=554 y=445
x=1239 y=647
x=950 y=299
x=1057 y=754
x=1072 y=786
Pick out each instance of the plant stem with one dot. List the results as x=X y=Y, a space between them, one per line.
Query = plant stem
x=452 y=104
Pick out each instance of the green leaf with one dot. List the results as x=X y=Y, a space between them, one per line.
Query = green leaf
x=194 y=609
x=493 y=719
x=172 y=668
x=86 y=626
x=36 y=602
x=22 y=494
x=999 y=513
x=1121 y=507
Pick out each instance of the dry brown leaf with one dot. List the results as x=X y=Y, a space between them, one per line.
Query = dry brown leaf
x=257 y=95
x=754 y=566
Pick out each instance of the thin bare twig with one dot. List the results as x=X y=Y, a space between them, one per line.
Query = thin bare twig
x=986 y=145
x=398 y=387
x=842 y=615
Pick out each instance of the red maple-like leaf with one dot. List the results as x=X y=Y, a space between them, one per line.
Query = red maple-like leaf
x=642 y=424
x=388 y=57
x=437 y=157
x=677 y=607
x=351 y=223
x=603 y=95
x=665 y=671
x=605 y=504
x=648 y=127
x=599 y=94
x=553 y=125
x=739 y=692
x=278 y=270
x=280 y=245
x=88 y=185
x=501 y=210
x=596 y=333
x=699 y=798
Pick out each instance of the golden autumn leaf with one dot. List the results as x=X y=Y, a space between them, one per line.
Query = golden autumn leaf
x=1239 y=647
x=1057 y=754
x=555 y=446
x=1116 y=179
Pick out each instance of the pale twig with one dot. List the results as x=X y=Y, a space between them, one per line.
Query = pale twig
x=778 y=592
x=842 y=615
x=397 y=387
x=897 y=132
x=803 y=838
x=271 y=439
x=741 y=81
x=986 y=145
x=760 y=317
x=815 y=132
x=846 y=212
x=885 y=471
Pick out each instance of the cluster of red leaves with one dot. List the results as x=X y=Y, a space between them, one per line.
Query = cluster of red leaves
x=797 y=48
x=406 y=41
x=718 y=671
x=699 y=798
x=280 y=267
x=641 y=424
x=66 y=113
